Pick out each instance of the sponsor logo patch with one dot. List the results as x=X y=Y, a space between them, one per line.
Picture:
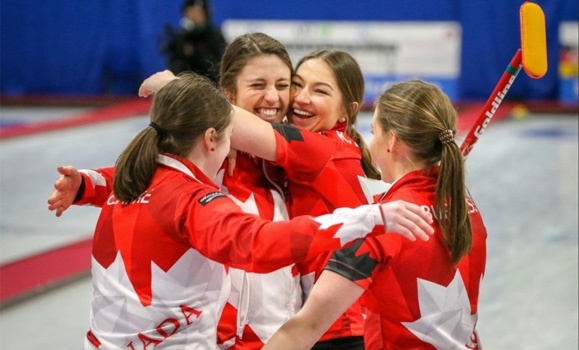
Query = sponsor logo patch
x=209 y=197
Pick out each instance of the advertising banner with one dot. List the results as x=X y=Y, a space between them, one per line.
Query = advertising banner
x=387 y=52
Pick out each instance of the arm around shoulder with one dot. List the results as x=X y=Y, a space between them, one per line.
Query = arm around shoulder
x=253 y=135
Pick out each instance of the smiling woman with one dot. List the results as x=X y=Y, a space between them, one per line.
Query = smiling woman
x=328 y=91
x=325 y=159
x=262 y=87
x=255 y=75
x=319 y=103
x=412 y=291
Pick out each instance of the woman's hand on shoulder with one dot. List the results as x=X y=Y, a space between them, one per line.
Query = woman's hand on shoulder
x=408 y=219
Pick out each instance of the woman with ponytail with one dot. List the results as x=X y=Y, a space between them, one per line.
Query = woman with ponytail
x=417 y=295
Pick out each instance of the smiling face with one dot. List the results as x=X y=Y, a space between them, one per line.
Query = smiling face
x=316 y=98
x=263 y=87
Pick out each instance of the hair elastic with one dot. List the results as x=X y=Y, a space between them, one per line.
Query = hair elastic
x=446 y=136
x=157 y=128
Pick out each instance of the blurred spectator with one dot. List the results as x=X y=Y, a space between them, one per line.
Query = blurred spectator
x=197 y=45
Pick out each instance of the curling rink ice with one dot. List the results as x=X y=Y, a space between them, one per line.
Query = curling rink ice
x=523 y=174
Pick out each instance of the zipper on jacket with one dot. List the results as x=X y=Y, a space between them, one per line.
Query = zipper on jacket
x=243 y=308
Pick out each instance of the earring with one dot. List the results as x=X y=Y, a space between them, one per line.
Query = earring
x=212 y=149
x=343 y=120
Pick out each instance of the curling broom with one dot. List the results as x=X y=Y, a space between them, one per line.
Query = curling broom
x=532 y=57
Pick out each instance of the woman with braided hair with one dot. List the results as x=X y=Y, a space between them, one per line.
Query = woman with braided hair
x=418 y=295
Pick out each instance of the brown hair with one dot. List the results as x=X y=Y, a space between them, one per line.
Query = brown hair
x=244 y=48
x=351 y=83
x=423 y=117
x=181 y=112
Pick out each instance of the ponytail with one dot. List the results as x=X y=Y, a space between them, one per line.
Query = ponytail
x=136 y=166
x=423 y=117
x=450 y=201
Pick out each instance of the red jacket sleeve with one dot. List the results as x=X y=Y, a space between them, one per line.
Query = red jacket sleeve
x=295 y=151
x=98 y=186
x=221 y=231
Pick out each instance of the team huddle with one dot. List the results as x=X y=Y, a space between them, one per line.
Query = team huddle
x=254 y=215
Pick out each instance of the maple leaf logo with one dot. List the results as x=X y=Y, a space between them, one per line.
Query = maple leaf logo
x=354 y=222
x=445 y=320
x=118 y=310
x=361 y=265
x=250 y=204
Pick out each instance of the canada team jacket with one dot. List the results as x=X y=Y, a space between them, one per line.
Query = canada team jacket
x=416 y=298
x=324 y=172
x=259 y=303
x=158 y=262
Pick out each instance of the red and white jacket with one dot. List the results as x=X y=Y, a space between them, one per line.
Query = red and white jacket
x=259 y=303
x=158 y=263
x=415 y=296
x=324 y=172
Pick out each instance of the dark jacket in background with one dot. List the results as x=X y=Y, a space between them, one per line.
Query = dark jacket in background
x=198 y=50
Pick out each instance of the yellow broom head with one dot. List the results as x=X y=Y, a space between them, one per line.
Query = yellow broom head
x=533 y=40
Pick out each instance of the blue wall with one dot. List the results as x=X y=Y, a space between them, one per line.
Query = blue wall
x=110 y=46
